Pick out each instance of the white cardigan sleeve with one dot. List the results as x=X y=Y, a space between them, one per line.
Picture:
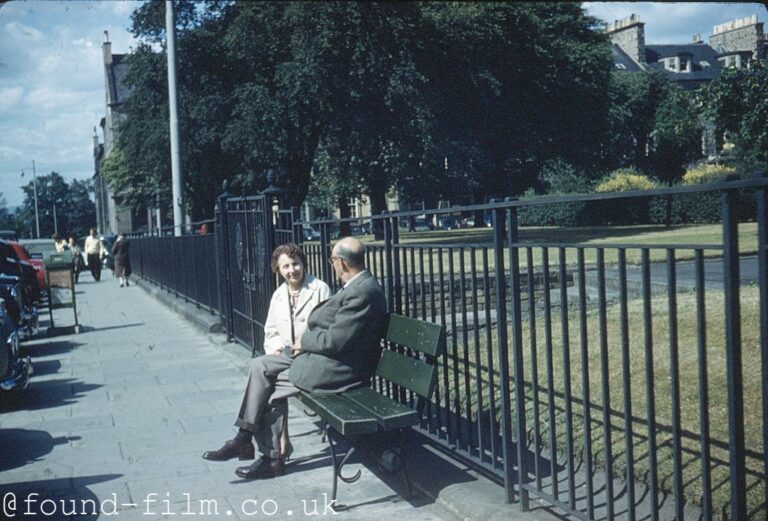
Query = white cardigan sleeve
x=273 y=342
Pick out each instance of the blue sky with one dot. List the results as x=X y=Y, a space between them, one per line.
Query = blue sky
x=52 y=78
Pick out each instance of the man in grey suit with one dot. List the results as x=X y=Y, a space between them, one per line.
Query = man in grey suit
x=339 y=351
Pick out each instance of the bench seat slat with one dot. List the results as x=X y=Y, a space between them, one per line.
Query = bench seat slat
x=389 y=413
x=344 y=415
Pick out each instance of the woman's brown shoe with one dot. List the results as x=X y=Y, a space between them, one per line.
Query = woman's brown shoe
x=231 y=449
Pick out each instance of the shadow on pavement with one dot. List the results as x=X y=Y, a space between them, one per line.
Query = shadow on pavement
x=60 y=498
x=22 y=446
x=44 y=367
x=46 y=394
x=87 y=329
x=48 y=347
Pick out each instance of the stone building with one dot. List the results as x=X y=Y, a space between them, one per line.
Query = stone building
x=693 y=64
x=111 y=218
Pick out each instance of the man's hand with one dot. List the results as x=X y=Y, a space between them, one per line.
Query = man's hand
x=297 y=347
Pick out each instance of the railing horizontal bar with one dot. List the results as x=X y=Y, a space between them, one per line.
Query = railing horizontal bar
x=616 y=245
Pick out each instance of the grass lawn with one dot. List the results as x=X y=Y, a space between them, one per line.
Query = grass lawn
x=465 y=248
x=636 y=367
x=458 y=243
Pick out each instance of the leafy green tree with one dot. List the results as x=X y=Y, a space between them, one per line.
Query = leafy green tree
x=513 y=85
x=374 y=123
x=204 y=109
x=635 y=99
x=7 y=220
x=74 y=211
x=676 y=135
x=443 y=99
x=737 y=101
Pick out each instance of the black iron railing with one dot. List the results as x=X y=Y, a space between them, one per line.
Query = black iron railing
x=608 y=378
x=185 y=265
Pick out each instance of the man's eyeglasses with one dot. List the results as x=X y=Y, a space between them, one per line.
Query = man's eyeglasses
x=333 y=258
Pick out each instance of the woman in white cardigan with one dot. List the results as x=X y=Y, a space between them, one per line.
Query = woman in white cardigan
x=289 y=309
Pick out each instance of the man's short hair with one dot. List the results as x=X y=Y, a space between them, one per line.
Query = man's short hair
x=290 y=249
x=354 y=257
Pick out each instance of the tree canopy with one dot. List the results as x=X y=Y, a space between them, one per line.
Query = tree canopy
x=737 y=101
x=74 y=211
x=463 y=101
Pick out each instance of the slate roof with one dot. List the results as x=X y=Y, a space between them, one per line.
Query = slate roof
x=703 y=57
x=118 y=91
x=622 y=61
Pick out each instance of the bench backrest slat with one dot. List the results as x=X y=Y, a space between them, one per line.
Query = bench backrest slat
x=409 y=373
x=415 y=334
x=415 y=368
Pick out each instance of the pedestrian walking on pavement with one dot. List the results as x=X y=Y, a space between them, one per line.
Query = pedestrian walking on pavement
x=59 y=243
x=77 y=257
x=94 y=251
x=338 y=351
x=121 y=254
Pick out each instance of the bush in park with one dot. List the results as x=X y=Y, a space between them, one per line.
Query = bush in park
x=703 y=174
x=623 y=211
x=624 y=180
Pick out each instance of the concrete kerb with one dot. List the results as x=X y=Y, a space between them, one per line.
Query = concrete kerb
x=454 y=487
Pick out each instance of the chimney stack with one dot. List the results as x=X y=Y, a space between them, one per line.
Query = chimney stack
x=107 y=47
x=629 y=35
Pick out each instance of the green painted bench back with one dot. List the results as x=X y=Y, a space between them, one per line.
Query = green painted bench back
x=417 y=374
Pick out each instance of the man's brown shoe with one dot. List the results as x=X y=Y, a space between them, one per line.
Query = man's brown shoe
x=262 y=468
x=231 y=449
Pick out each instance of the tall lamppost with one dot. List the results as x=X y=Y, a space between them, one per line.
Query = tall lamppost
x=34 y=191
x=55 y=220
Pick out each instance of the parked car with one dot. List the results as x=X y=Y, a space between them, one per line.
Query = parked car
x=38 y=248
x=36 y=262
x=360 y=229
x=309 y=233
x=18 y=280
x=15 y=371
x=449 y=222
x=8 y=235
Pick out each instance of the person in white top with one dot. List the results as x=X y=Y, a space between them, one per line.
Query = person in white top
x=94 y=252
x=289 y=309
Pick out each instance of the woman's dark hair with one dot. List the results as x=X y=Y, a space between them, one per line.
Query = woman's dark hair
x=292 y=250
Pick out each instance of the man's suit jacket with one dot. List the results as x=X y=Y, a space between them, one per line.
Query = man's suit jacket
x=342 y=344
x=277 y=328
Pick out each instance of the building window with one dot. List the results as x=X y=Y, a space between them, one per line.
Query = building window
x=353 y=207
x=621 y=66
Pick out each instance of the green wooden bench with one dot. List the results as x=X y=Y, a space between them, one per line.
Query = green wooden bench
x=405 y=370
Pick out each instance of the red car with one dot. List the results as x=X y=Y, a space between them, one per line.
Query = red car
x=38 y=264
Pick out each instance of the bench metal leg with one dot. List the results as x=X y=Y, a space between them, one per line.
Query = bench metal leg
x=338 y=465
x=403 y=464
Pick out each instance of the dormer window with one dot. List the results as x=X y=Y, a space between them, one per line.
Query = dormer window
x=670 y=64
x=685 y=64
x=732 y=60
